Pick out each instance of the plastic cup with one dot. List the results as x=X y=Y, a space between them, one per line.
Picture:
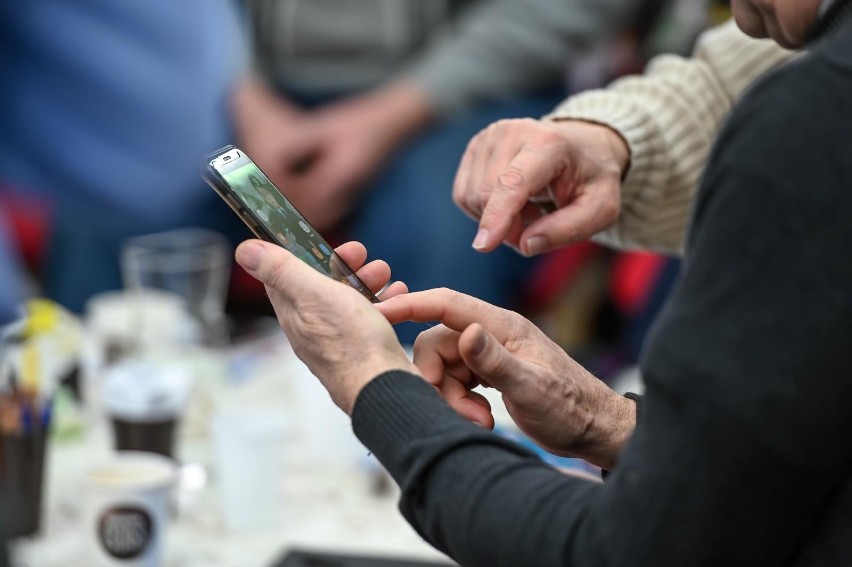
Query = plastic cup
x=249 y=456
x=145 y=398
x=193 y=263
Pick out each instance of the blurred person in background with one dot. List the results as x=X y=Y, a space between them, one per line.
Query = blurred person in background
x=746 y=372
x=106 y=110
x=13 y=288
x=358 y=111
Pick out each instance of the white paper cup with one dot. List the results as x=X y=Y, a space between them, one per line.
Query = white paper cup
x=127 y=509
x=249 y=451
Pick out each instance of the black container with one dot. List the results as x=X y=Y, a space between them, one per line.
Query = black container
x=152 y=436
x=22 y=459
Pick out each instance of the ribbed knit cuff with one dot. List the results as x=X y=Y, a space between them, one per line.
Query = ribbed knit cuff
x=646 y=174
x=637 y=399
x=397 y=409
x=648 y=159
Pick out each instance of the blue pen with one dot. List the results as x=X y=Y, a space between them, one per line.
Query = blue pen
x=46 y=414
x=26 y=418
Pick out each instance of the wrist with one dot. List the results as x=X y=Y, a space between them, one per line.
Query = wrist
x=606 y=141
x=611 y=427
x=368 y=369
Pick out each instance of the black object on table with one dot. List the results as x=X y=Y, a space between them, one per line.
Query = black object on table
x=21 y=482
x=302 y=558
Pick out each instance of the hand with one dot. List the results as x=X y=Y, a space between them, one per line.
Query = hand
x=272 y=131
x=554 y=400
x=354 y=138
x=513 y=161
x=332 y=328
x=375 y=275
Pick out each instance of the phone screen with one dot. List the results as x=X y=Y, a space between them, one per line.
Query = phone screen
x=281 y=220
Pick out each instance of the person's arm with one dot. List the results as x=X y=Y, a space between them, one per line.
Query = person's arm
x=669 y=118
x=736 y=459
x=13 y=290
x=501 y=48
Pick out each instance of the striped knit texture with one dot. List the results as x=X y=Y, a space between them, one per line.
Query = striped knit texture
x=670 y=117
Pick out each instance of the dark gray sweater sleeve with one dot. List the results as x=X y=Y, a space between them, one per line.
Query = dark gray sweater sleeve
x=503 y=48
x=741 y=451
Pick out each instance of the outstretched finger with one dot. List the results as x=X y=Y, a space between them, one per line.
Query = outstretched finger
x=455 y=310
x=527 y=174
x=394 y=289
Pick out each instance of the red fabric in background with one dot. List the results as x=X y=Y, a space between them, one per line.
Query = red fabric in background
x=632 y=279
x=29 y=220
x=554 y=273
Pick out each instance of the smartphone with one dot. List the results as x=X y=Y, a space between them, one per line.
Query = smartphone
x=268 y=213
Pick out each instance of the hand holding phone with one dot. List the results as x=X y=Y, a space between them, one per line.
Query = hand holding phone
x=256 y=200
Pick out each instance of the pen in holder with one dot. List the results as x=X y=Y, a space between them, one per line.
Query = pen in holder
x=22 y=455
x=28 y=376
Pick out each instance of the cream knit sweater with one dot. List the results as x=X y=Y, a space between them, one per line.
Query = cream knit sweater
x=669 y=118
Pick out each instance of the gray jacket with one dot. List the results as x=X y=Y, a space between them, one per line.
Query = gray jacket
x=458 y=51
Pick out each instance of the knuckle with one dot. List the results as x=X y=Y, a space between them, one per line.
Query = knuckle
x=483 y=199
x=276 y=274
x=423 y=341
x=518 y=123
x=610 y=210
x=496 y=126
x=470 y=149
x=511 y=180
x=451 y=298
x=567 y=235
x=548 y=138
x=498 y=364
x=446 y=295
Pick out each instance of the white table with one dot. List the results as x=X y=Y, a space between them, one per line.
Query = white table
x=327 y=502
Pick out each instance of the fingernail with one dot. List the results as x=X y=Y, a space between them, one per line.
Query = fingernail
x=479 y=346
x=480 y=424
x=481 y=239
x=249 y=255
x=535 y=245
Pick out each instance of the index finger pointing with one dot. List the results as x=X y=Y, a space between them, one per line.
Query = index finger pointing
x=528 y=173
x=455 y=310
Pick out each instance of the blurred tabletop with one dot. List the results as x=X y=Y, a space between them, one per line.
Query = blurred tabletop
x=328 y=496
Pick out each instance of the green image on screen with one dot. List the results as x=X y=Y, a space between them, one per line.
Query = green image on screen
x=288 y=227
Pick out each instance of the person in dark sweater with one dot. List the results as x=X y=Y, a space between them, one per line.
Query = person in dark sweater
x=738 y=454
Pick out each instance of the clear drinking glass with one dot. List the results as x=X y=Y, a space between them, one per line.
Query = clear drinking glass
x=192 y=263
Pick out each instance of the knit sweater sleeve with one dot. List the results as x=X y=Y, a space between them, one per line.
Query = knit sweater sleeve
x=502 y=48
x=669 y=118
x=738 y=458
